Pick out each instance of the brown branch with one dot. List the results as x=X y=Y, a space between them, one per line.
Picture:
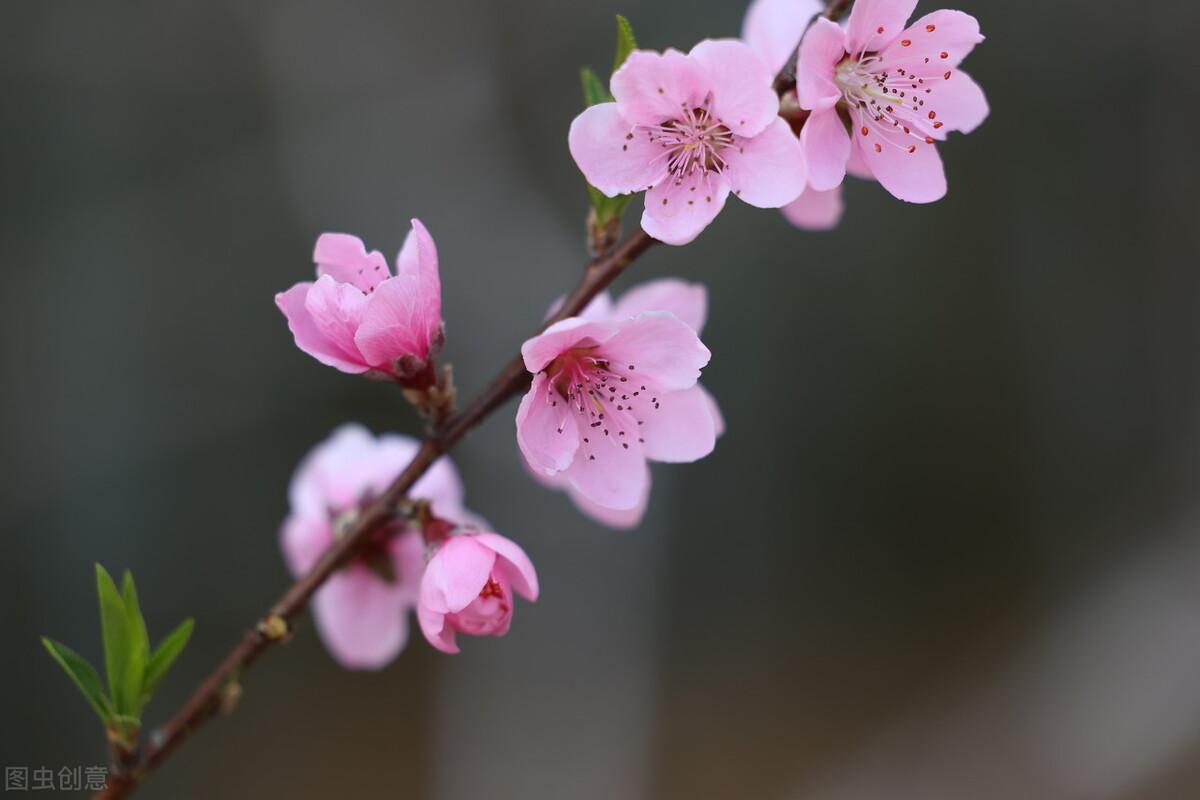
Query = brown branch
x=835 y=8
x=217 y=692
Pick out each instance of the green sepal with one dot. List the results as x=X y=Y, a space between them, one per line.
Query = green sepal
x=83 y=675
x=607 y=208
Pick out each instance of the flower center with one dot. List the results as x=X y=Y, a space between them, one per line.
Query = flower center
x=693 y=141
x=610 y=401
x=887 y=103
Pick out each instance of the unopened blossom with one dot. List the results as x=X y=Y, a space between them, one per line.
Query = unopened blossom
x=688 y=302
x=609 y=394
x=889 y=91
x=688 y=129
x=362 y=610
x=468 y=588
x=360 y=318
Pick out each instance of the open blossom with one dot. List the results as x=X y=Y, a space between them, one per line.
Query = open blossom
x=898 y=89
x=688 y=302
x=688 y=130
x=608 y=394
x=362 y=610
x=359 y=317
x=468 y=588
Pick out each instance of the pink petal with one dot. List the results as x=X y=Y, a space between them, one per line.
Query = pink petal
x=394 y=324
x=517 y=566
x=303 y=540
x=562 y=336
x=441 y=484
x=546 y=430
x=621 y=519
x=615 y=478
x=857 y=165
x=652 y=87
x=599 y=308
x=335 y=473
x=677 y=211
x=688 y=301
x=456 y=574
x=874 y=24
x=816 y=211
x=682 y=429
x=309 y=338
x=936 y=42
x=826 y=146
x=362 y=620
x=407 y=549
x=436 y=631
x=773 y=28
x=823 y=47
x=345 y=259
x=618 y=518
x=714 y=410
x=959 y=103
x=336 y=310
x=916 y=176
x=742 y=97
x=611 y=155
x=418 y=258
x=657 y=347
x=768 y=170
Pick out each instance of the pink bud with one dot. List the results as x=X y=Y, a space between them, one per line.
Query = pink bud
x=468 y=588
x=360 y=318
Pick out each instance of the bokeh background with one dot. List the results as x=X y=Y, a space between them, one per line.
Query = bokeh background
x=948 y=549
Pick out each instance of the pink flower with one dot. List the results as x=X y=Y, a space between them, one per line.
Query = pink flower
x=468 y=587
x=900 y=88
x=362 y=611
x=688 y=302
x=688 y=129
x=608 y=394
x=360 y=318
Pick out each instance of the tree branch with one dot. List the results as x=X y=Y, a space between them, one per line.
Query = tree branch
x=216 y=692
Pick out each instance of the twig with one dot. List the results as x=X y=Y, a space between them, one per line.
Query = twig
x=835 y=8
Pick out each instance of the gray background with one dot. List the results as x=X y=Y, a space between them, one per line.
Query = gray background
x=949 y=548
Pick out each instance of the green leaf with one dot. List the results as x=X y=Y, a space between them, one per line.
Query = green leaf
x=626 y=42
x=594 y=92
x=118 y=638
x=164 y=656
x=128 y=699
x=82 y=674
x=137 y=624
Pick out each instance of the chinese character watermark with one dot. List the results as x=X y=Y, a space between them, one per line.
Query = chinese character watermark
x=43 y=778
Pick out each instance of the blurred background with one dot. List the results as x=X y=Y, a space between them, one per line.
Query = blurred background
x=948 y=548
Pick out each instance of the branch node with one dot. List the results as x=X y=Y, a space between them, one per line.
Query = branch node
x=275 y=629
